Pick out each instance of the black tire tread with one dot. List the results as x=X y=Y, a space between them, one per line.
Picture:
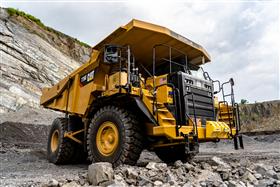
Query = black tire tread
x=133 y=145
x=65 y=148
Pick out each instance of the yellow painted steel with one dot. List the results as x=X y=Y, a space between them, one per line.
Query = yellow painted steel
x=164 y=94
x=114 y=81
x=215 y=129
x=225 y=113
x=143 y=36
x=72 y=96
x=158 y=80
x=71 y=135
x=54 y=140
x=69 y=95
x=107 y=138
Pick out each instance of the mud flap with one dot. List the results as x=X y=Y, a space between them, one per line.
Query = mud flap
x=236 y=139
x=193 y=147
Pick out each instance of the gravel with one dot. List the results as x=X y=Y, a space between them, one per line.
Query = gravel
x=24 y=163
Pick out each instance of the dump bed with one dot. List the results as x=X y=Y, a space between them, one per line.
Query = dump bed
x=142 y=37
x=73 y=96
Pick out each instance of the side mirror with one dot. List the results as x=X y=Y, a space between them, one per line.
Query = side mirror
x=111 y=54
x=218 y=84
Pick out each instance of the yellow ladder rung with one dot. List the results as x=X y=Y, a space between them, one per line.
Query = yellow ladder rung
x=168 y=119
x=162 y=110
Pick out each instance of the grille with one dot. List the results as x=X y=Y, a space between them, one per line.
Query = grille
x=194 y=93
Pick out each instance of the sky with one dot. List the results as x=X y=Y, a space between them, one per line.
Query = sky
x=242 y=37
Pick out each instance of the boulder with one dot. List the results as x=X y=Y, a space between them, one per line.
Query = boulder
x=204 y=165
x=277 y=176
x=158 y=183
x=250 y=177
x=219 y=162
x=52 y=183
x=225 y=176
x=260 y=168
x=258 y=176
x=156 y=166
x=190 y=167
x=178 y=164
x=171 y=178
x=144 y=181
x=100 y=172
x=266 y=171
x=271 y=173
x=151 y=166
x=276 y=169
x=71 y=184
x=267 y=182
x=161 y=166
x=233 y=183
x=118 y=181
x=131 y=173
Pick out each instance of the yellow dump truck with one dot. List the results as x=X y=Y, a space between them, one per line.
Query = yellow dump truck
x=143 y=88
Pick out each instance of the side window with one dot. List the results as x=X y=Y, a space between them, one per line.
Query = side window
x=111 y=54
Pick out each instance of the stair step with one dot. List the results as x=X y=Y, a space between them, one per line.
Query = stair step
x=162 y=110
x=158 y=103
x=226 y=121
x=168 y=119
x=223 y=113
x=150 y=96
x=223 y=118
x=226 y=115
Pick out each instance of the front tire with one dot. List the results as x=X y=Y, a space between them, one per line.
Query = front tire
x=60 y=149
x=114 y=136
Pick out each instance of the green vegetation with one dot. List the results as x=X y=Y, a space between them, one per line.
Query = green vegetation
x=16 y=12
x=243 y=101
x=81 y=43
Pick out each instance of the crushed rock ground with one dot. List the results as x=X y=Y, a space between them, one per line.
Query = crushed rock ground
x=23 y=161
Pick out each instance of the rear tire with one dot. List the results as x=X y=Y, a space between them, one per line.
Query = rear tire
x=171 y=154
x=114 y=136
x=60 y=149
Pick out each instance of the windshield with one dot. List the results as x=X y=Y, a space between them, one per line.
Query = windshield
x=197 y=73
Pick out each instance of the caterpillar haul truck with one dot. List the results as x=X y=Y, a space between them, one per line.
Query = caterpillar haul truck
x=143 y=88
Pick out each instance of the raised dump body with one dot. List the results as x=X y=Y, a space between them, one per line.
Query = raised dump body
x=142 y=88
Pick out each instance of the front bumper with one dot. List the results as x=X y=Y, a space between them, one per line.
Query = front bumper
x=212 y=131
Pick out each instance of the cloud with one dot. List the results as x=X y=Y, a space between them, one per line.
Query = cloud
x=241 y=37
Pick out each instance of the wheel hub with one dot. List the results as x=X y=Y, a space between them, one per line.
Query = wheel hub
x=107 y=138
x=54 y=141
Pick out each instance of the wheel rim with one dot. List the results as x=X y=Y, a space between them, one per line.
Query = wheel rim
x=107 y=138
x=54 y=141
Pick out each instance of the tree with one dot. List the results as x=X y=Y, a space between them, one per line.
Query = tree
x=243 y=101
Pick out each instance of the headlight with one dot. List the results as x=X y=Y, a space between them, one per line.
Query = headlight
x=198 y=84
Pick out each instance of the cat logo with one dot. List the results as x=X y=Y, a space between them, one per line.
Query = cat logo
x=87 y=78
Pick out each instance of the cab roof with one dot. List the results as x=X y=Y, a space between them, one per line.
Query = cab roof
x=142 y=37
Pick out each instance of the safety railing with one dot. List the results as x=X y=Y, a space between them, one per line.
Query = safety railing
x=233 y=115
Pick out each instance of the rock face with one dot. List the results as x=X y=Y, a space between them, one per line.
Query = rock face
x=32 y=57
x=263 y=116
